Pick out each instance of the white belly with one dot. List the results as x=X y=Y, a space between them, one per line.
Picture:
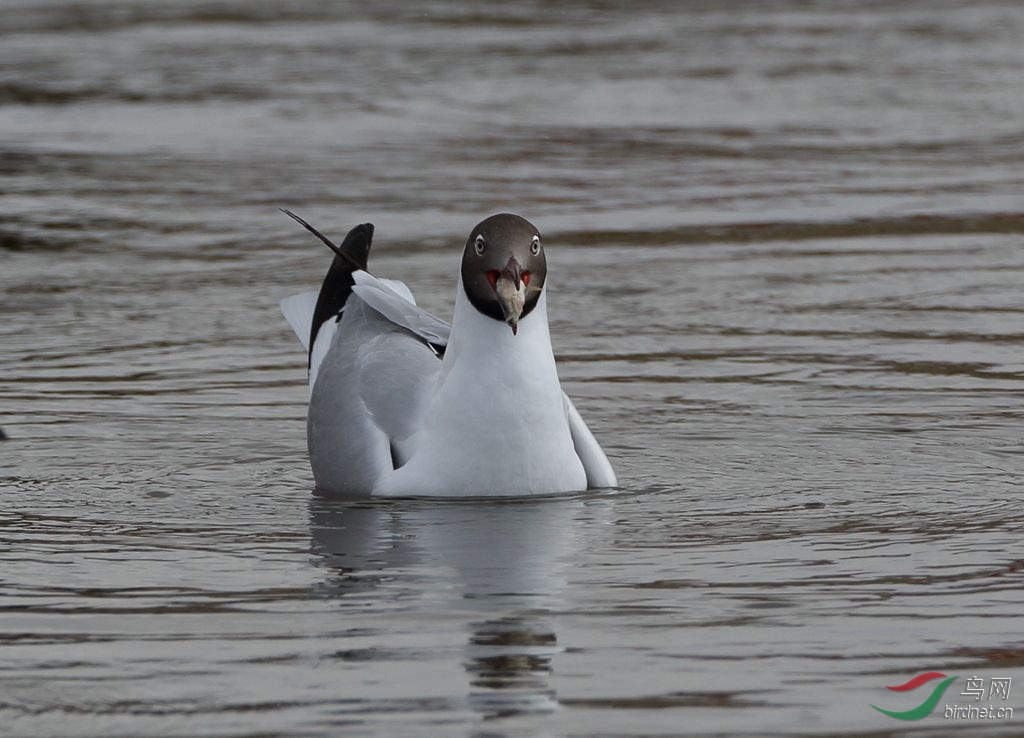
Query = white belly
x=496 y=424
x=502 y=453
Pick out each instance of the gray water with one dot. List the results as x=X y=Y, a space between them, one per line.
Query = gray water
x=785 y=250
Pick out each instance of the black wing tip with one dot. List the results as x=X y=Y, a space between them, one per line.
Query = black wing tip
x=356 y=246
x=355 y=249
x=352 y=255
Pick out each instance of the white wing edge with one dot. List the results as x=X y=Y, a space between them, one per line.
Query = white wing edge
x=397 y=286
x=324 y=339
x=394 y=301
x=298 y=311
x=595 y=463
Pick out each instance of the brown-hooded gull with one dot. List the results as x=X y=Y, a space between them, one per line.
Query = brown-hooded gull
x=402 y=405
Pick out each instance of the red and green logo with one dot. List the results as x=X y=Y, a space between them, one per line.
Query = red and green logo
x=930 y=702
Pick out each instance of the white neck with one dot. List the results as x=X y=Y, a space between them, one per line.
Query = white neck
x=495 y=349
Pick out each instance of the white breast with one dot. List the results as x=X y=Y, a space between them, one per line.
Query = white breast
x=496 y=424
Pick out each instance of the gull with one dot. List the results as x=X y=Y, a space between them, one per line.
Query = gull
x=403 y=405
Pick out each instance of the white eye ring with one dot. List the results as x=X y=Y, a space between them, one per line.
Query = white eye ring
x=479 y=245
x=535 y=246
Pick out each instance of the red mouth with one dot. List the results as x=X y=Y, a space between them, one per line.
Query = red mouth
x=493 y=274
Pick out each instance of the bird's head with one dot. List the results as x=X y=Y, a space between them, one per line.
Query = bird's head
x=504 y=268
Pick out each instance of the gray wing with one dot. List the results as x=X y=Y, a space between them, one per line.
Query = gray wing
x=369 y=396
x=394 y=366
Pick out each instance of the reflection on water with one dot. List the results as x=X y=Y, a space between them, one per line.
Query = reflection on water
x=509 y=663
x=501 y=562
x=785 y=291
x=357 y=545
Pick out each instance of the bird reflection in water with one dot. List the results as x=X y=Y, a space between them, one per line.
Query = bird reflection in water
x=509 y=666
x=498 y=573
x=358 y=544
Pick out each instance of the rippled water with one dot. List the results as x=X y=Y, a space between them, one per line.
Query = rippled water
x=785 y=245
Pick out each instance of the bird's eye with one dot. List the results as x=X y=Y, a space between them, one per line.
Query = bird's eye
x=535 y=246
x=479 y=246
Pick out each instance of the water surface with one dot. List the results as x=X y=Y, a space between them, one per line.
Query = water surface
x=785 y=268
